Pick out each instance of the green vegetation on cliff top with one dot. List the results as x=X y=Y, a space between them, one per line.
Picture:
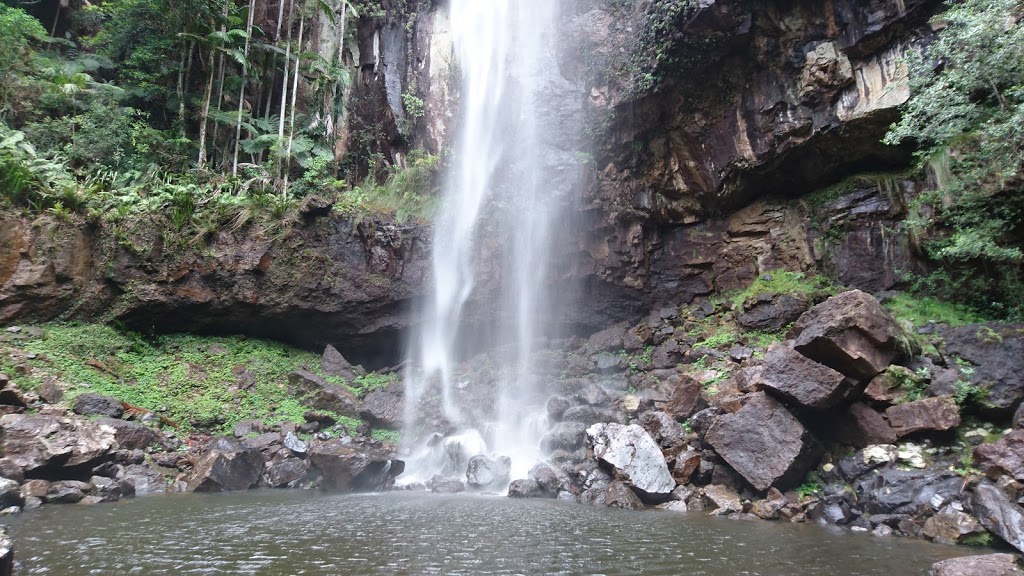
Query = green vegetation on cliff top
x=192 y=380
x=180 y=111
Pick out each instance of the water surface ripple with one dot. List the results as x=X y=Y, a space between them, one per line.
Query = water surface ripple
x=293 y=533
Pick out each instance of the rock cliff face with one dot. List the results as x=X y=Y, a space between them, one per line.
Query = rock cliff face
x=704 y=170
x=322 y=281
x=761 y=103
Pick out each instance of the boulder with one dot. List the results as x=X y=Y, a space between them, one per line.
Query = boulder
x=996 y=353
x=226 y=465
x=130 y=435
x=264 y=441
x=769 y=508
x=764 y=443
x=45 y=445
x=686 y=397
x=723 y=498
x=607 y=340
x=6 y=553
x=999 y=514
x=141 y=480
x=950 y=525
x=323 y=395
x=930 y=414
x=546 y=477
x=592 y=415
x=293 y=443
x=564 y=436
x=486 y=473
x=8 y=469
x=556 y=407
x=90 y=404
x=106 y=489
x=243 y=428
x=10 y=493
x=851 y=333
x=794 y=377
x=345 y=468
x=890 y=490
x=67 y=492
x=525 y=488
x=1003 y=456
x=333 y=363
x=983 y=565
x=668 y=354
x=634 y=455
x=771 y=313
x=286 y=471
x=384 y=407
x=862 y=426
x=895 y=384
x=619 y=495
x=686 y=463
x=441 y=485
x=663 y=428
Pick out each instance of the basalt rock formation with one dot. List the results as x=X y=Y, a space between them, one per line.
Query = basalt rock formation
x=692 y=186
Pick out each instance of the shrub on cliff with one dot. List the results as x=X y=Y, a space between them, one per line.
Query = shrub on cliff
x=967 y=114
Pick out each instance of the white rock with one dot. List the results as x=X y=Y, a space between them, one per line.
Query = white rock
x=879 y=454
x=634 y=454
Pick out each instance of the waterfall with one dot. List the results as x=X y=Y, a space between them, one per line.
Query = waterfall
x=511 y=173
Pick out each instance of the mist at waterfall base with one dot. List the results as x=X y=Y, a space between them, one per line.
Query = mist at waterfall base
x=511 y=180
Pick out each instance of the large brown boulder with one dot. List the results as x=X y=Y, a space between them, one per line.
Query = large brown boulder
x=930 y=414
x=764 y=443
x=984 y=565
x=347 y=468
x=851 y=333
x=771 y=312
x=862 y=426
x=686 y=397
x=47 y=445
x=130 y=435
x=796 y=378
x=323 y=395
x=226 y=465
x=1006 y=456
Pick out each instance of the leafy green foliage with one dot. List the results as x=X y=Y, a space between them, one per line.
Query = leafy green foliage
x=919 y=310
x=808 y=489
x=967 y=115
x=406 y=193
x=192 y=380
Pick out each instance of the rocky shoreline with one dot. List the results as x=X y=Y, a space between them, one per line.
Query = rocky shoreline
x=846 y=422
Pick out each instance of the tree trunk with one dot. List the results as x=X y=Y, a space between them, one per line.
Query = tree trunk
x=205 y=114
x=295 y=89
x=220 y=76
x=241 y=95
x=287 y=64
x=183 y=73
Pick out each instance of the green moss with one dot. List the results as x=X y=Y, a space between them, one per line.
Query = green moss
x=192 y=380
x=920 y=310
x=982 y=540
x=784 y=282
x=385 y=435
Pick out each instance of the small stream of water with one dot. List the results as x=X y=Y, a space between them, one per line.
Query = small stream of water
x=286 y=533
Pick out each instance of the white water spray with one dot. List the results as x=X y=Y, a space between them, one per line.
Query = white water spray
x=500 y=194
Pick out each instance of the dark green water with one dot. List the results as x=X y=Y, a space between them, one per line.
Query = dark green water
x=290 y=533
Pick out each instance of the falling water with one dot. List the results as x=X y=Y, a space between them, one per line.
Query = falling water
x=501 y=200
